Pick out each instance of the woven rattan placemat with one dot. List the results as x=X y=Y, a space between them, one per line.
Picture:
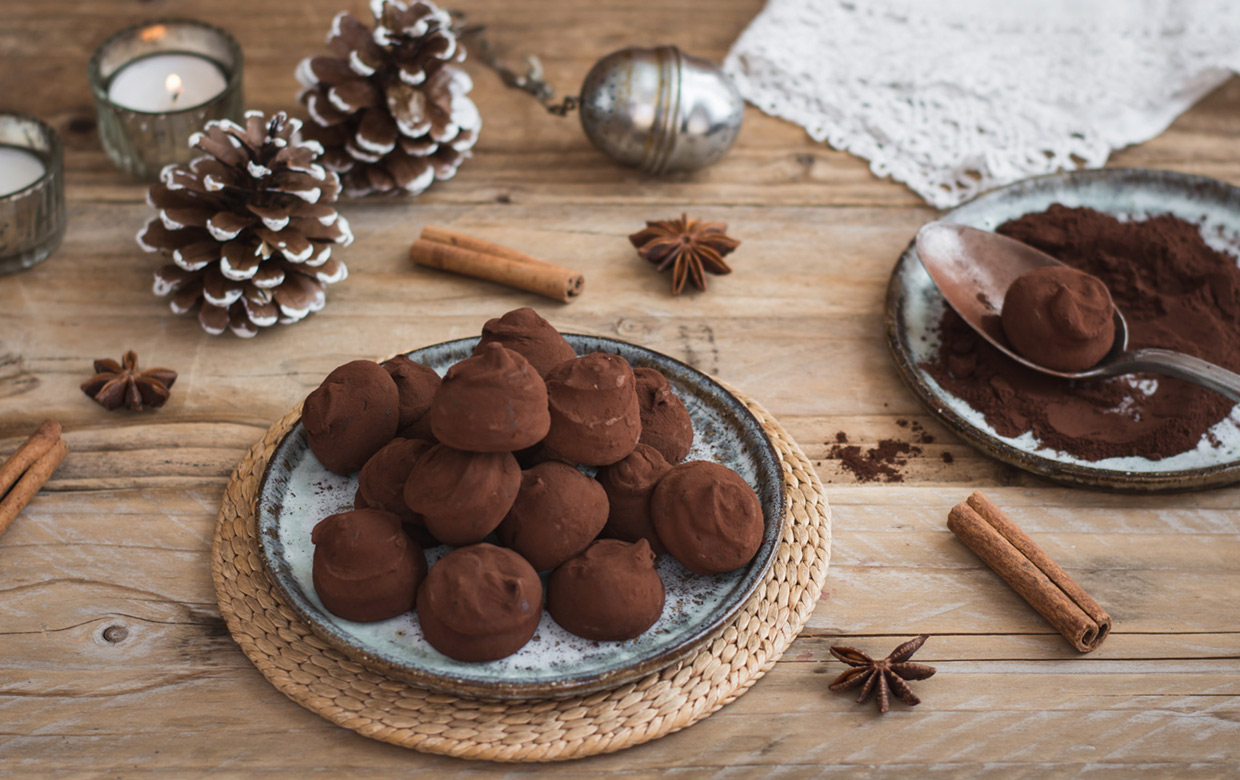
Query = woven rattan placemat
x=328 y=683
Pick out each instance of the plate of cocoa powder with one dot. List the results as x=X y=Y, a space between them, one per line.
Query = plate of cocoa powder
x=1166 y=246
x=297 y=492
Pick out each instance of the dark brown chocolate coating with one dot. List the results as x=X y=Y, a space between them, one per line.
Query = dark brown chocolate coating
x=494 y=402
x=480 y=603
x=462 y=496
x=523 y=330
x=416 y=385
x=665 y=420
x=707 y=516
x=411 y=521
x=365 y=567
x=629 y=485
x=595 y=415
x=381 y=482
x=558 y=512
x=351 y=415
x=1060 y=318
x=609 y=593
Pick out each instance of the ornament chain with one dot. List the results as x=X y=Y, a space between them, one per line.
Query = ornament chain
x=531 y=81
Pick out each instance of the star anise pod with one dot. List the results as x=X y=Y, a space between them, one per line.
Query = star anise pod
x=883 y=676
x=121 y=384
x=690 y=247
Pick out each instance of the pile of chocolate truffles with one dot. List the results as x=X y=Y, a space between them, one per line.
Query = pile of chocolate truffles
x=494 y=459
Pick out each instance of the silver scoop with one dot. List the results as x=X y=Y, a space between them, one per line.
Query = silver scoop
x=974 y=268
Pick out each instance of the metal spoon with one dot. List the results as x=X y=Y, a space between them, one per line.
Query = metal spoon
x=974 y=268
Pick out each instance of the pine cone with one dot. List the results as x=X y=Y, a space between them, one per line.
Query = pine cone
x=249 y=227
x=388 y=106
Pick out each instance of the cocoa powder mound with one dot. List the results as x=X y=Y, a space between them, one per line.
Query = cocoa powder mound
x=1175 y=292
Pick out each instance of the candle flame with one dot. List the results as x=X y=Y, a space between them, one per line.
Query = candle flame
x=173 y=85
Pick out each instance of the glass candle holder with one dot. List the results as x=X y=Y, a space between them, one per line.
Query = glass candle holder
x=158 y=83
x=32 y=192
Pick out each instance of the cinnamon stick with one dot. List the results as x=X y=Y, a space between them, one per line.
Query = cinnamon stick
x=39 y=442
x=444 y=236
x=31 y=482
x=484 y=260
x=1015 y=557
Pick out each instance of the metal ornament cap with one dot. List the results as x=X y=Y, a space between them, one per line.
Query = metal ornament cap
x=660 y=110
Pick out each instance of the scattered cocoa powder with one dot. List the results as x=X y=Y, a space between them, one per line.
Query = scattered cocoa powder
x=1175 y=292
x=878 y=464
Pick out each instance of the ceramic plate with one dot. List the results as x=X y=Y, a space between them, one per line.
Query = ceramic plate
x=914 y=307
x=297 y=492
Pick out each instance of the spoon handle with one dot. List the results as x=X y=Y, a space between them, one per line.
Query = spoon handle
x=1181 y=366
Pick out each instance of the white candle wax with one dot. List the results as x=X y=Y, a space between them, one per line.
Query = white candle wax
x=18 y=169
x=166 y=82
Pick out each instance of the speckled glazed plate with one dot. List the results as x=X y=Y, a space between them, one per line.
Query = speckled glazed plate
x=914 y=307
x=297 y=492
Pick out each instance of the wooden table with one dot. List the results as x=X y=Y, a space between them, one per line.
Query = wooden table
x=116 y=661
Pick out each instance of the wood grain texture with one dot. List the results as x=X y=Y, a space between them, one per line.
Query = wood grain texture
x=117 y=663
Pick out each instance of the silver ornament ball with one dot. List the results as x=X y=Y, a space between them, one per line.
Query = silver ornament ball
x=660 y=109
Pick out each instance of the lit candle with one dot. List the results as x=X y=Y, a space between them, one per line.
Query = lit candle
x=18 y=169
x=163 y=83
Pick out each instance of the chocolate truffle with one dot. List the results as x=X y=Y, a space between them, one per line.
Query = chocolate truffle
x=595 y=415
x=629 y=485
x=494 y=402
x=416 y=384
x=365 y=567
x=413 y=523
x=608 y=593
x=480 y=603
x=1060 y=318
x=351 y=415
x=558 y=512
x=523 y=331
x=461 y=495
x=665 y=420
x=708 y=516
x=381 y=483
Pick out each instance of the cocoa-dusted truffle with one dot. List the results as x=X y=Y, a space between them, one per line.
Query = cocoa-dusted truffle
x=351 y=415
x=707 y=516
x=1060 y=318
x=494 y=402
x=381 y=482
x=411 y=521
x=665 y=420
x=595 y=416
x=608 y=593
x=629 y=485
x=480 y=603
x=416 y=385
x=523 y=330
x=558 y=512
x=461 y=495
x=365 y=567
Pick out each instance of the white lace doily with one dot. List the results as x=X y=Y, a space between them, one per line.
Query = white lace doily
x=953 y=97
